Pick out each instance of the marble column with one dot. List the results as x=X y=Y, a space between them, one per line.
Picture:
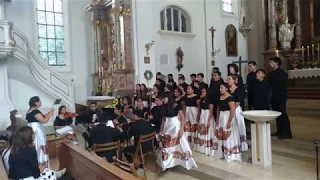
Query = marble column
x=298 y=19
x=272 y=25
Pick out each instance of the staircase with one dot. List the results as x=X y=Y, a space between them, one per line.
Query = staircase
x=304 y=93
x=16 y=45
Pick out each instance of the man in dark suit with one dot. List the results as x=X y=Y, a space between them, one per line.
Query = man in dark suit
x=251 y=82
x=214 y=91
x=202 y=84
x=278 y=80
x=101 y=134
x=93 y=113
x=157 y=113
x=139 y=128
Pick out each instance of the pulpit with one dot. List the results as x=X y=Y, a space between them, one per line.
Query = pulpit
x=261 y=136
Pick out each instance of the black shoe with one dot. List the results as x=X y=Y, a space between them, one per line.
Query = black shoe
x=275 y=134
x=285 y=136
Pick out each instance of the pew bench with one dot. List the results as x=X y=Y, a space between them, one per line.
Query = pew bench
x=82 y=165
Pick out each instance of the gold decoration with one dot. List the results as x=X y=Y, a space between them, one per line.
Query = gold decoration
x=279 y=9
x=121 y=11
x=95 y=2
x=96 y=23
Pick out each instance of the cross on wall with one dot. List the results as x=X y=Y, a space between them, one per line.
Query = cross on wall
x=239 y=63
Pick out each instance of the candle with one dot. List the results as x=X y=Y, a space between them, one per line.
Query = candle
x=99 y=71
x=302 y=51
x=277 y=53
x=102 y=74
x=308 y=49
x=312 y=47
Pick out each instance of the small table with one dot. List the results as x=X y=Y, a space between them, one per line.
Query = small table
x=261 y=136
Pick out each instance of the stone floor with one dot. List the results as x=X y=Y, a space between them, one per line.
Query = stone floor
x=292 y=159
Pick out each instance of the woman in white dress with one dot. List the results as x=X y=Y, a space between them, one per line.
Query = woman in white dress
x=36 y=120
x=176 y=150
x=206 y=128
x=192 y=113
x=238 y=98
x=227 y=138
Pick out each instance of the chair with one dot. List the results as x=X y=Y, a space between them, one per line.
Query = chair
x=107 y=147
x=139 y=154
x=126 y=167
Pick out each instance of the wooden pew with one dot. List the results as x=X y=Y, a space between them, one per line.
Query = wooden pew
x=81 y=164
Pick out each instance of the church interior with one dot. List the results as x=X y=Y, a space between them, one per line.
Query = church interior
x=115 y=56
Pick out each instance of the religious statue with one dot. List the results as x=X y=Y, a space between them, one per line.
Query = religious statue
x=179 y=59
x=286 y=34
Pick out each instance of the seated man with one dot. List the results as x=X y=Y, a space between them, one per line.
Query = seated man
x=94 y=113
x=139 y=128
x=157 y=113
x=101 y=134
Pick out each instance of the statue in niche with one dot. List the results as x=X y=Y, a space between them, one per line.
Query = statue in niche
x=286 y=34
x=179 y=58
x=231 y=40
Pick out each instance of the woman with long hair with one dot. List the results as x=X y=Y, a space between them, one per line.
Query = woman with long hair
x=144 y=95
x=233 y=69
x=127 y=107
x=238 y=98
x=23 y=162
x=192 y=115
x=155 y=94
x=141 y=106
x=62 y=119
x=205 y=133
x=137 y=94
x=227 y=139
x=36 y=120
x=176 y=149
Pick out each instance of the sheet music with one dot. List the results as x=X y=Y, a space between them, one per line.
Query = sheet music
x=65 y=130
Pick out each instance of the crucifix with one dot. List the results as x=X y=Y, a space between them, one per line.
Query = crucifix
x=212 y=30
x=239 y=63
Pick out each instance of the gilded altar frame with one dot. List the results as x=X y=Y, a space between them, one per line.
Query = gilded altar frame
x=314 y=38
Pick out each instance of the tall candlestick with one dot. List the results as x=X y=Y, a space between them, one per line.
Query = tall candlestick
x=99 y=71
x=102 y=73
x=312 y=47
x=318 y=52
x=277 y=53
x=308 y=49
x=302 y=48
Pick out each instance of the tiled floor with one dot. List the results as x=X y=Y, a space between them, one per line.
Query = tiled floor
x=285 y=166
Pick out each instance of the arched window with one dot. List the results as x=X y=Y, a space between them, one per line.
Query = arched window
x=227 y=6
x=51 y=32
x=175 y=19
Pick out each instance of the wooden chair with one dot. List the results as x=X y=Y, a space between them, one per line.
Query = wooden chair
x=107 y=147
x=126 y=167
x=139 y=154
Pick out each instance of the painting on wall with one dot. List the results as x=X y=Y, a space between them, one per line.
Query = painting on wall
x=231 y=40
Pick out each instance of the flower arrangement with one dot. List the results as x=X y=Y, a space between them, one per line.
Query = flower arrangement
x=114 y=103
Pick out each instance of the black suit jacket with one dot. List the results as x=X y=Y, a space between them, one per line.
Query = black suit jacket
x=101 y=134
x=140 y=128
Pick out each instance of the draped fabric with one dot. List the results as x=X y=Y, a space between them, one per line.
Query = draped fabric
x=175 y=151
x=47 y=174
x=191 y=125
x=242 y=129
x=40 y=143
x=205 y=134
x=227 y=141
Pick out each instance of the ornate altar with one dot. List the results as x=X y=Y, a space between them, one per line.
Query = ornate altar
x=291 y=34
x=113 y=63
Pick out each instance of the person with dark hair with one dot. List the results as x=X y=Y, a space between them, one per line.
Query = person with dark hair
x=127 y=106
x=144 y=95
x=101 y=134
x=169 y=76
x=193 y=78
x=6 y=153
x=192 y=115
x=262 y=92
x=233 y=69
x=36 y=120
x=137 y=94
x=251 y=81
x=162 y=84
x=142 y=107
x=214 y=90
x=141 y=127
x=202 y=84
x=226 y=144
x=196 y=86
x=180 y=75
x=23 y=163
x=205 y=133
x=171 y=84
x=93 y=112
x=120 y=120
x=156 y=114
x=215 y=69
x=182 y=82
x=180 y=97
x=238 y=98
x=155 y=94
x=61 y=119
x=278 y=80
x=173 y=139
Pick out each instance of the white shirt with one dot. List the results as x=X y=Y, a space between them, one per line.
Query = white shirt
x=5 y=159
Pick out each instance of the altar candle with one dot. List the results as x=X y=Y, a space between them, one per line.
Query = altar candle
x=277 y=53
x=99 y=71
x=312 y=47
x=308 y=49
x=302 y=51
